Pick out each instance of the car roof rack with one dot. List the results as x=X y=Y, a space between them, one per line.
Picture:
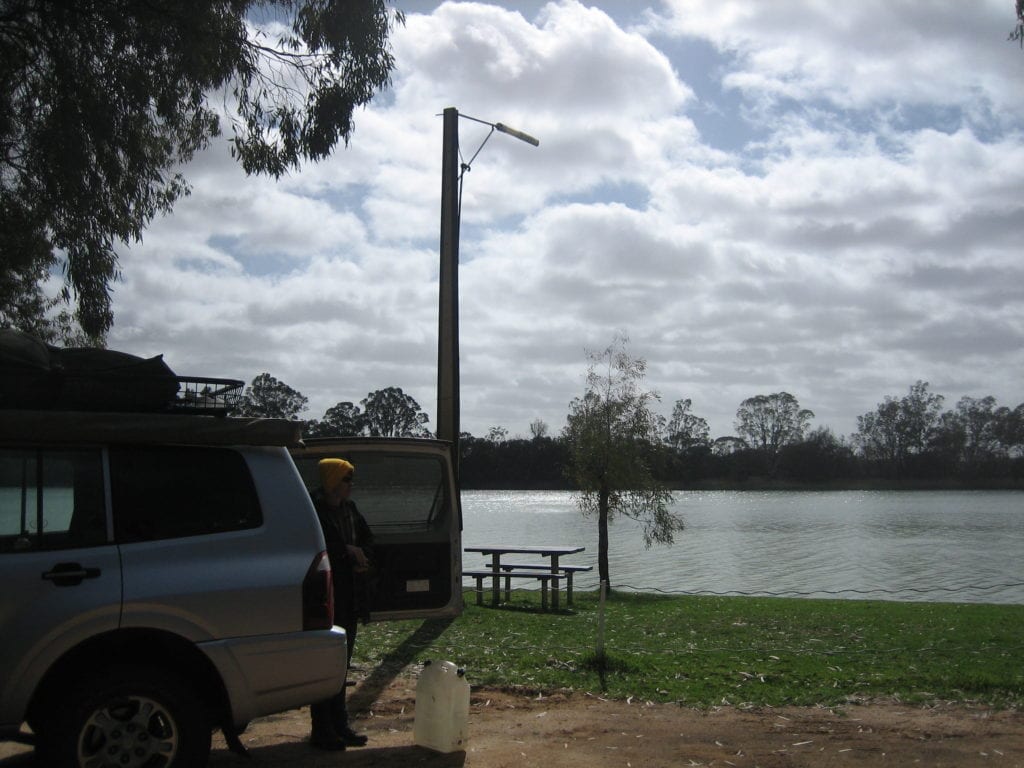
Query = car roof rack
x=35 y=375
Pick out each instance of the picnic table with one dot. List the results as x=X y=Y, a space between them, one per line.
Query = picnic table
x=551 y=572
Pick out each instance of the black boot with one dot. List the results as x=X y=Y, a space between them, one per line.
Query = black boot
x=322 y=734
x=339 y=721
x=329 y=744
x=351 y=738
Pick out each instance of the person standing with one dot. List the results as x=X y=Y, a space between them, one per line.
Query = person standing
x=349 y=547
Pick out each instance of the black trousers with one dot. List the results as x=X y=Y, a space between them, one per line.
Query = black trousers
x=330 y=717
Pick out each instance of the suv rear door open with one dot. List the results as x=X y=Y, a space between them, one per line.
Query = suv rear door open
x=406 y=490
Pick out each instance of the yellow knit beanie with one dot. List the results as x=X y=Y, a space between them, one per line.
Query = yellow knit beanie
x=332 y=472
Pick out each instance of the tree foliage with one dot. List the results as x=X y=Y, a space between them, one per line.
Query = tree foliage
x=536 y=463
x=610 y=434
x=340 y=420
x=269 y=398
x=820 y=457
x=538 y=429
x=975 y=421
x=497 y=434
x=392 y=413
x=24 y=305
x=102 y=101
x=769 y=422
x=1009 y=427
x=385 y=412
x=977 y=444
x=898 y=429
x=686 y=430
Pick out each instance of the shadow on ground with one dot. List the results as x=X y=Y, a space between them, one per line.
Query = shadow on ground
x=391 y=666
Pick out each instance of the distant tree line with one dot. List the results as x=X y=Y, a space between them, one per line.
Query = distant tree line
x=905 y=442
x=386 y=412
x=910 y=441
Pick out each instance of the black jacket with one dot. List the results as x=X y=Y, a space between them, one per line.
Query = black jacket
x=344 y=525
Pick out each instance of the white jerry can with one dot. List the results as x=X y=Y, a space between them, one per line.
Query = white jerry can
x=442 y=708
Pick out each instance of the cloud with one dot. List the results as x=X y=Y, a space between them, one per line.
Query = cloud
x=859 y=55
x=860 y=233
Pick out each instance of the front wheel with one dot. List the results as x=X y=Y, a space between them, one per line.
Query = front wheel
x=129 y=717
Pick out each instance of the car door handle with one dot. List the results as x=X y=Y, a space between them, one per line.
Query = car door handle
x=70 y=574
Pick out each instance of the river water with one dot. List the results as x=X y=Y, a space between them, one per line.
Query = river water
x=946 y=546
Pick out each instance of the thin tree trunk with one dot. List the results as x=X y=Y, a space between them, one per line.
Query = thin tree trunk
x=602 y=536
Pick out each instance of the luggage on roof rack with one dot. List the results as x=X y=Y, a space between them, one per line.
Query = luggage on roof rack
x=39 y=376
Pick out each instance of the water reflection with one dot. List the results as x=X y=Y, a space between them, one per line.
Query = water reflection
x=948 y=546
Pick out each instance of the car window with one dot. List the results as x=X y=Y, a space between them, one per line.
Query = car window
x=170 y=492
x=392 y=491
x=51 y=499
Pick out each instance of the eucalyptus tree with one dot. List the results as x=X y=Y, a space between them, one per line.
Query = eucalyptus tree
x=970 y=436
x=899 y=429
x=685 y=430
x=728 y=445
x=1010 y=428
x=390 y=412
x=610 y=435
x=340 y=420
x=102 y=103
x=980 y=424
x=497 y=435
x=269 y=398
x=25 y=306
x=770 y=422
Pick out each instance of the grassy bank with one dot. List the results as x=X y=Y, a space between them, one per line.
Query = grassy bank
x=706 y=651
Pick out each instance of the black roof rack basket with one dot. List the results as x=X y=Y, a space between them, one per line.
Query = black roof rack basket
x=212 y=397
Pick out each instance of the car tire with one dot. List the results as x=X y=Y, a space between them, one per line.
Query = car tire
x=127 y=717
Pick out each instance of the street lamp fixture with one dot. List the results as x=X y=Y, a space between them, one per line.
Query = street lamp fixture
x=518 y=134
x=448 y=419
x=500 y=128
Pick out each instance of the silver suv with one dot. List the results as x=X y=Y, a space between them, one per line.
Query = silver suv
x=162 y=575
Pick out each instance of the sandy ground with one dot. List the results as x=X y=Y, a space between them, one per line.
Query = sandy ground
x=581 y=730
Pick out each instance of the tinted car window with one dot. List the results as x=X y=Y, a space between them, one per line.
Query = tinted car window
x=170 y=492
x=401 y=492
x=51 y=499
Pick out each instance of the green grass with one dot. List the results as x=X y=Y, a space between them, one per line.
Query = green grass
x=707 y=651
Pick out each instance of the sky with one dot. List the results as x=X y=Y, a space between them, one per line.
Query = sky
x=812 y=197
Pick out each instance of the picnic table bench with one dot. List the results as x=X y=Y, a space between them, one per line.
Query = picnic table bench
x=546 y=574
x=543 y=578
x=564 y=570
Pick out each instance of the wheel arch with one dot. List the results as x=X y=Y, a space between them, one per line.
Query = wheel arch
x=144 y=647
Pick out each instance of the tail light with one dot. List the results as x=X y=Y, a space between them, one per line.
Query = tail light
x=318 y=595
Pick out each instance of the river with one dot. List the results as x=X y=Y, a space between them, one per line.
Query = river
x=928 y=546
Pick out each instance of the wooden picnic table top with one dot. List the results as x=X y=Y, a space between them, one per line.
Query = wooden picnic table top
x=546 y=550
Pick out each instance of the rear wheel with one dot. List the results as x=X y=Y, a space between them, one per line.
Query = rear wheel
x=129 y=717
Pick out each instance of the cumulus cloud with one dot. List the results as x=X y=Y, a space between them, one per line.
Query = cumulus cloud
x=856 y=232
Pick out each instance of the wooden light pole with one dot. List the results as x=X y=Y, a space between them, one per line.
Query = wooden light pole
x=448 y=299
x=448 y=417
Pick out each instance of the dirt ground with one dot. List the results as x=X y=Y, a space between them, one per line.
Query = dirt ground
x=579 y=730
